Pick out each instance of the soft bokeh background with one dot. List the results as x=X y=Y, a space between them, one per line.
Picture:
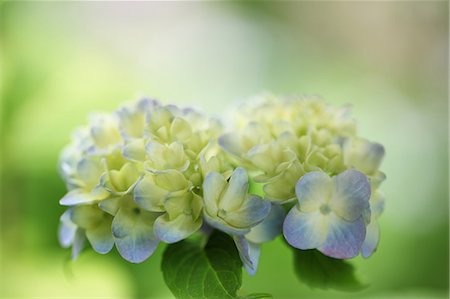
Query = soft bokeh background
x=62 y=60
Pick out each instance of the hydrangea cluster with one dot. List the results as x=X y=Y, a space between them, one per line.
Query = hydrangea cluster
x=151 y=173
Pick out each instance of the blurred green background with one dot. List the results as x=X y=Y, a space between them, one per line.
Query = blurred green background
x=62 y=60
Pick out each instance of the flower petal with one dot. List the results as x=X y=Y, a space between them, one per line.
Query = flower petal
x=344 y=238
x=66 y=229
x=180 y=130
x=89 y=171
x=104 y=130
x=249 y=253
x=101 y=237
x=230 y=143
x=264 y=157
x=76 y=197
x=221 y=225
x=372 y=238
x=132 y=230
x=148 y=195
x=131 y=121
x=376 y=179
x=66 y=234
x=78 y=243
x=121 y=181
x=174 y=206
x=110 y=205
x=363 y=155
x=312 y=190
x=134 y=150
x=253 y=210
x=351 y=194
x=236 y=191
x=160 y=116
x=171 y=231
x=163 y=157
x=155 y=151
x=282 y=188
x=87 y=216
x=269 y=228
x=376 y=204
x=305 y=230
x=173 y=181
x=213 y=186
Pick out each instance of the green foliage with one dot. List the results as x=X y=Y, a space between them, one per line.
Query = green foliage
x=258 y=296
x=320 y=271
x=211 y=272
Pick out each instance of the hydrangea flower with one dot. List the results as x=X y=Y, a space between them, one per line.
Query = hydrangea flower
x=250 y=219
x=329 y=215
x=282 y=139
x=151 y=173
x=229 y=207
x=120 y=163
x=170 y=193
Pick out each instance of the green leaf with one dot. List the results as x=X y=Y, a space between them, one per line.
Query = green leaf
x=320 y=271
x=258 y=296
x=211 y=272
